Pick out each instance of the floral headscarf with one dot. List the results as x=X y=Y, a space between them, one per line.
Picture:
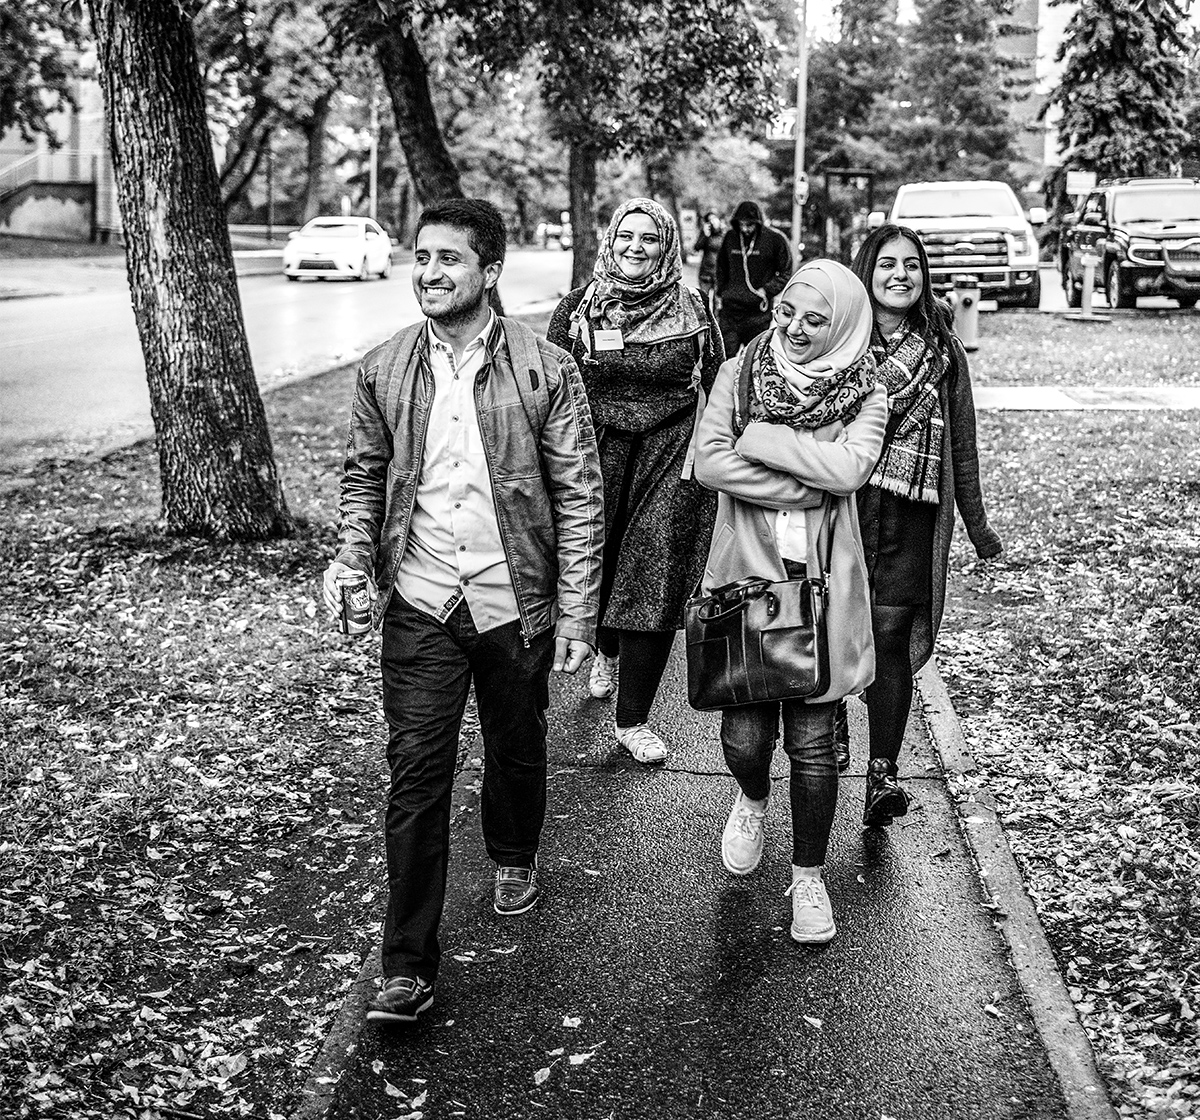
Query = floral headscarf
x=655 y=308
x=831 y=385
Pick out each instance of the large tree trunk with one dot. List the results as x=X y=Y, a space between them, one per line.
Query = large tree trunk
x=581 y=181
x=314 y=135
x=404 y=72
x=215 y=458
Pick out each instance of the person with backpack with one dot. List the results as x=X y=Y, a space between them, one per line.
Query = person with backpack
x=753 y=264
x=649 y=351
x=471 y=504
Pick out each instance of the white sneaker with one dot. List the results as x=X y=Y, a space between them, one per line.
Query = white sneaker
x=641 y=742
x=812 y=914
x=742 y=840
x=603 y=681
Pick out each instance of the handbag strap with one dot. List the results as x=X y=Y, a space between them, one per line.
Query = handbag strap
x=827 y=520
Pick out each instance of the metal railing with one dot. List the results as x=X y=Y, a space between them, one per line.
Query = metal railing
x=66 y=165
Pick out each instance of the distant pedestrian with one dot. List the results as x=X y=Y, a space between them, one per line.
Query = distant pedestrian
x=787 y=470
x=929 y=465
x=471 y=492
x=708 y=245
x=649 y=350
x=753 y=264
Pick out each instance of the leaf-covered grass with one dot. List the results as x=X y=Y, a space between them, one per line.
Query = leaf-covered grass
x=191 y=758
x=1074 y=662
x=1137 y=348
x=189 y=779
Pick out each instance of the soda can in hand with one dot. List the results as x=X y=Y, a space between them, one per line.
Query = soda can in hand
x=355 y=617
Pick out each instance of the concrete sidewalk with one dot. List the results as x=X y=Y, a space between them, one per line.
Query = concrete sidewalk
x=650 y=983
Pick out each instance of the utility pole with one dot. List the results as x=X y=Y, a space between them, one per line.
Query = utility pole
x=270 y=186
x=800 y=180
x=373 y=208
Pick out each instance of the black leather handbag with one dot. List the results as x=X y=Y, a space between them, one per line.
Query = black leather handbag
x=758 y=639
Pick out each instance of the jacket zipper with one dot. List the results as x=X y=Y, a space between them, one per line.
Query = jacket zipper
x=480 y=378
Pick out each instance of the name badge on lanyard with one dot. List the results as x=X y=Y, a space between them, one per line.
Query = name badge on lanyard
x=609 y=340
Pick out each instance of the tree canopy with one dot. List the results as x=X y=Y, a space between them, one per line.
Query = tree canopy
x=949 y=114
x=37 y=65
x=1123 y=87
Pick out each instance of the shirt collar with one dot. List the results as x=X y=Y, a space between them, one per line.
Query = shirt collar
x=484 y=338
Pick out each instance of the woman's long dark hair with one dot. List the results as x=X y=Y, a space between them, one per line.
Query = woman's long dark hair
x=929 y=315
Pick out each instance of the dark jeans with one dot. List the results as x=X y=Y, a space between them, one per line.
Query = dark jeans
x=739 y=325
x=644 y=655
x=428 y=667
x=748 y=737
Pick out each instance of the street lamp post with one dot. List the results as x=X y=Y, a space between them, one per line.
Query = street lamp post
x=800 y=180
x=373 y=205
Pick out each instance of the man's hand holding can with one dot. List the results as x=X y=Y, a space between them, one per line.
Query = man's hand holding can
x=349 y=595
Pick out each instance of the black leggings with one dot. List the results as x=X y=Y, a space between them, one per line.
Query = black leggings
x=889 y=698
x=644 y=655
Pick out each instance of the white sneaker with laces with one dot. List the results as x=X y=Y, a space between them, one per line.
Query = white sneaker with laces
x=642 y=743
x=812 y=914
x=603 y=682
x=742 y=840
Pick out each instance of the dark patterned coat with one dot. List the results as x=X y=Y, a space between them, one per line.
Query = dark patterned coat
x=658 y=525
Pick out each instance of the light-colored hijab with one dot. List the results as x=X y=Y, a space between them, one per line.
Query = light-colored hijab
x=850 y=321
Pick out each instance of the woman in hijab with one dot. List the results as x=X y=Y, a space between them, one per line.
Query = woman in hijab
x=649 y=351
x=793 y=428
x=929 y=465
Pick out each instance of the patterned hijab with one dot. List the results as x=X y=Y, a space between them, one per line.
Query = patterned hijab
x=655 y=308
x=833 y=384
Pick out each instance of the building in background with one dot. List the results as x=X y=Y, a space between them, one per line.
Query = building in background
x=68 y=191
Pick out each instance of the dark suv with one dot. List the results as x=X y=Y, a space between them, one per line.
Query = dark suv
x=1146 y=234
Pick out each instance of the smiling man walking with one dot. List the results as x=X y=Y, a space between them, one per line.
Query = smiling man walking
x=471 y=499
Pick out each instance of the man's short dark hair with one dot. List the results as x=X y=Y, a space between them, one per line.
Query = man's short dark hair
x=482 y=221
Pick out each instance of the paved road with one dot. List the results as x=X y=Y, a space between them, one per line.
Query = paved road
x=653 y=984
x=72 y=376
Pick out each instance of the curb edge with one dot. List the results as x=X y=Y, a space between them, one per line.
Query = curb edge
x=1062 y=1034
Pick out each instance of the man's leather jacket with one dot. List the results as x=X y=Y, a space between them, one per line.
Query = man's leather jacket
x=540 y=446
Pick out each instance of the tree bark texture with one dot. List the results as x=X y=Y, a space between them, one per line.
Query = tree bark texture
x=406 y=76
x=581 y=182
x=217 y=467
x=314 y=137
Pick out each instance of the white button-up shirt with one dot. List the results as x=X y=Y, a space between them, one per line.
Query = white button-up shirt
x=454 y=549
x=791 y=534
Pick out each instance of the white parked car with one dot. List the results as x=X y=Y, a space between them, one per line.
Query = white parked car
x=347 y=247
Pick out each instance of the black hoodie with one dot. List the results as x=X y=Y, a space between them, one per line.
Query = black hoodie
x=768 y=259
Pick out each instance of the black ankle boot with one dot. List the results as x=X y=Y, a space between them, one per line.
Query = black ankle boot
x=885 y=797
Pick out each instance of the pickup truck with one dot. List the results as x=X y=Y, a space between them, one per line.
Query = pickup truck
x=974 y=228
x=1145 y=237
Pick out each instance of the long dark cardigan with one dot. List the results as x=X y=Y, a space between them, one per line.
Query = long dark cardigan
x=958 y=485
x=657 y=524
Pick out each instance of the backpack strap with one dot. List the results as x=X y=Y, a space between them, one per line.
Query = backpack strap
x=700 y=343
x=741 y=395
x=406 y=343
x=579 y=328
x=526 y=358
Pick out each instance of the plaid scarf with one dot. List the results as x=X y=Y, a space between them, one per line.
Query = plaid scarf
x=911 y=367
x=837 y=397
